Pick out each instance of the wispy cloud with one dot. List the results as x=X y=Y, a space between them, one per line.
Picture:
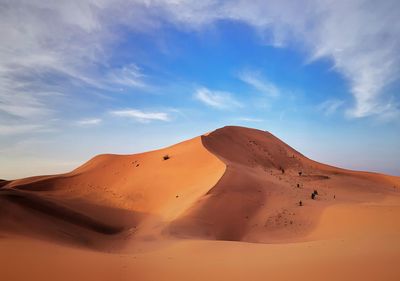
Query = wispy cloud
x=142 y=116
x=70 y=42
x=261 y=84
x=216 y=99
x=89 y=122
x=358 y=36
x=250 y=119
x=128 y=76
x=7 y=130
x=329 y=107
x=21 y=99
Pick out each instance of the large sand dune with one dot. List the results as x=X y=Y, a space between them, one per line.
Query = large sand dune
x=191 y=215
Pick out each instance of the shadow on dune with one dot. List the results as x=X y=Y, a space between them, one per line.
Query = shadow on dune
x=236 y=184
x=56 y=210
x=3 y=183
x=75 y=222
x=264 y=194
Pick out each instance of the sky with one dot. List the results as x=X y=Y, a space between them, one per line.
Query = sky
x=85 y=77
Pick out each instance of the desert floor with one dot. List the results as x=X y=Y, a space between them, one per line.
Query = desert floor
x=361 y=242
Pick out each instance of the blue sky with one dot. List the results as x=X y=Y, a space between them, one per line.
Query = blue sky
x=79 y=78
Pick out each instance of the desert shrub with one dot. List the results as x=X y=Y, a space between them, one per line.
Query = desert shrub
x=314 y=194
x=166 y=157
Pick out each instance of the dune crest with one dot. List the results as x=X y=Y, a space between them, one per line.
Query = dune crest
x=172 y=214
x=258 y=197
x=150 y=189
x=234 y=184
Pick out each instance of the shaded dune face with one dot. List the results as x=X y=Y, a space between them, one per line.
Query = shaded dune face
x=235 y=184
x=232 y=209
x=257 y=199
x=111 y=197
x=66 y=221
x=251 y=148
x=3 y=183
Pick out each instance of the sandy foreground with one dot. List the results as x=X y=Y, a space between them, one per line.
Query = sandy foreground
x=362 y=243
x=225 y=206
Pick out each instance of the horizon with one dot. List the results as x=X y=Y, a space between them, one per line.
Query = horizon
x=82 y=78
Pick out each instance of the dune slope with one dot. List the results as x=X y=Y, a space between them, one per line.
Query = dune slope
x=190 y=215
x=257 y=199
x=111 y=195
x=235 y=184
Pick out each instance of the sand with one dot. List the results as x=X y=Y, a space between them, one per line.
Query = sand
x=224 y=206
x=113 y=193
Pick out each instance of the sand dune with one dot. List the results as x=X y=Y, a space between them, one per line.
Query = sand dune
x=142 y=186
x=257 y=199
x=172 y=214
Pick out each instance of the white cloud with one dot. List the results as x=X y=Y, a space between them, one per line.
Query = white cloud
x=259 y=83
x=250 y=119
x=217 y=99
x=89 y=122
x=129 y=76
x=74 y=39
x=331 y=106
x=21 y=129
x=21 y=99
x=69 y=40
x=142 y=116
x=361 y=37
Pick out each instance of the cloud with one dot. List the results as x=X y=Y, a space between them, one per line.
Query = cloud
x=7 y=130
x=129 y=76
x=329 y=107
x=259 y=83
x=358 y=36
x=250 y=119
x=89 y=122
x=70 y=42
x=21 y=99
x=142 y=116
x=74 y=40
x=216 y=99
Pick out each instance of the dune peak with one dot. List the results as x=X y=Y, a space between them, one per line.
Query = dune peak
x=234 y=183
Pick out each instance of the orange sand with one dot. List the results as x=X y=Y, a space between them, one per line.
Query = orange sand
x=192 y=216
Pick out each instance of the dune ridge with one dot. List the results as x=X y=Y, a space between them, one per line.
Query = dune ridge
x=234 y=184
x=257 y=199
x=188 y=211
x=144 y=187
